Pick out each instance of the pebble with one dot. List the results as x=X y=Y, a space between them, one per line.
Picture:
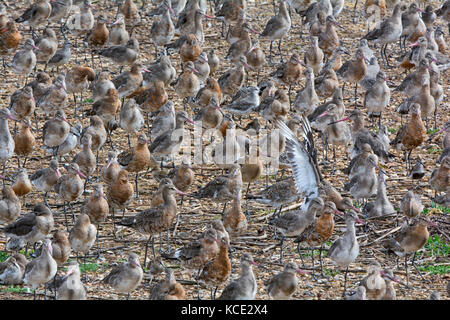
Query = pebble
x=308 y=286
x=309 y=294
x=183 y=234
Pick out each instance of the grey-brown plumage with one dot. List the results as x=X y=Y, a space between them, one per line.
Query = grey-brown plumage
x=345 y=249
x=381 y=206
x=37 y=14
x=127 y=276
x=360 y=294
x=161 y=70
x=56 y=130
x=294 y=222
x=83 y=234
x=155 y=220
x=223 y=188
x=61 y=247
x=12 y=270
x=196 y=254
x=61 y=56
x=161 y=290
x=374 y=283
x=70 y=286
x=60 y=9
x=284 y=284
x=170 y=141
x=411 y=205
x=42 y=269
x=44 y=179
x=122 y=55
x=278 y=194
x=10 y=206
x=244 y=287
x=165 y=120
x=33 y=226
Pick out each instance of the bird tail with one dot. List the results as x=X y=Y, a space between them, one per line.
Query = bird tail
x=196 y=195
x=253 y=197
x=393 y=245
x=443 y=67
x=127 y=222
x=175 y=255
x=348 y=185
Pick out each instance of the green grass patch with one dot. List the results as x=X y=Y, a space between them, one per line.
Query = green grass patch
x=434 y=150
x=14 y=289
x=433 y=269
x=330 y=272
x=88 y=100
x=89 y=267
x=436 y=247
x=3 y=256
x=445 y=210
x=392 y=130
x=431 y=131
x=307 y=252
x=29 y=253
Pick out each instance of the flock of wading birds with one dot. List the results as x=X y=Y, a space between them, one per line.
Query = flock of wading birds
x=121 y=103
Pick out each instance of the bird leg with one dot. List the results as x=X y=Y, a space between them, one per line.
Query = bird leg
x=85 y=272
x=222 y=30
x=289 y=94
x=435 y=114
x=26 y=248
x=387 y=59
x=54 y=285
x=320 y=260
x=417 y=269
x=228 y=32
x=45 y=199
x=270 y=53
x=146 y=249
x=334 y=160
x=73 y=214
x=198 y=284
x=279 y=50
x=356 y=94
x=247 y=213
x=345 y=282
x=281 y=249
x=312 y=259
x=354 y=12
x=224 y=206
x=98 y=247
x=136 y=182
x=168 y=240
x=406 y=269
x=279 y=211
x=267 y=175
x=85 y=184
x=65 y=216
x=114 y=222
x=408 y=159
x=299 y=250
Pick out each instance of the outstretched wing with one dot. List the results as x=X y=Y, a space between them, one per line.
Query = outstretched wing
x=305 y=172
